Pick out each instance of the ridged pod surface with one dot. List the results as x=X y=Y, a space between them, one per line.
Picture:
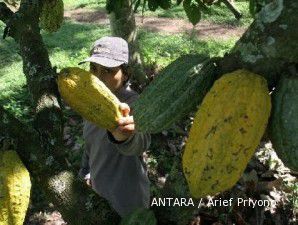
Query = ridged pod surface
x=51 y=16
x=141 y=216
x=89 y=97
x=15 y=186
x=175 y=92
x=284 y=121
x=226 y=130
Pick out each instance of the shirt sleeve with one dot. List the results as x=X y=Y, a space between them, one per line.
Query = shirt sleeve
x=84 y=172
x=134 y=145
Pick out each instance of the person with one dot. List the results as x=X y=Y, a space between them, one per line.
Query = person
x=112 y=162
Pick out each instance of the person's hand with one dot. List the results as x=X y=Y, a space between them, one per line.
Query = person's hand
x=87 y=179
x=126 y=125
x=88 y=182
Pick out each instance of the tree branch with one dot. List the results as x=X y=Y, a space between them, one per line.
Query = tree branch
x=23 y=27
x=269 y=45
x=232 y=8
x=5 y=13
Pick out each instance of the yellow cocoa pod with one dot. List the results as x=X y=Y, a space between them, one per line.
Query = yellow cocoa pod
x=89 y=97
x=226 y=131
x=15 y=186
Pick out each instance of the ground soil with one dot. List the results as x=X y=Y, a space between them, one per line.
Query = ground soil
x=203 y=30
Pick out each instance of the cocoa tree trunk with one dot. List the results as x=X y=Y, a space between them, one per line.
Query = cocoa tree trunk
x=122 y=22
x=42 y=149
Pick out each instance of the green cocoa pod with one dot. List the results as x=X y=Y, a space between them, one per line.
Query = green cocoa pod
x=175 y=92
x=284 y=121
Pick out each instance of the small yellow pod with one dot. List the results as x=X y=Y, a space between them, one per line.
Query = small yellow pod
x=15 y=186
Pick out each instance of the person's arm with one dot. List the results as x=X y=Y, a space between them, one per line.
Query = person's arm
x=136 y=144
x=84 y=172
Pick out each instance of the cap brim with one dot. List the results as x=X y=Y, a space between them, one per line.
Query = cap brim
x=103 y=61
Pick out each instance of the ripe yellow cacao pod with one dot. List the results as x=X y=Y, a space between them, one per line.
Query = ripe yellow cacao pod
x=89 y=97
x=226 y=130
x=15 y=186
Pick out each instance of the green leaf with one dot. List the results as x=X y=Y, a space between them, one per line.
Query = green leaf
x=179 y=2
x=205 y=9
x=164 y=4
x=152 y=5
x=140 y=216
x=192 y=11
x=252 y=7
x=256 y=6
x=137 y=4
x=109 y=6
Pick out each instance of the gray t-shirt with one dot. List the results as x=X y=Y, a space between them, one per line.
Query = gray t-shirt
x=117 y=170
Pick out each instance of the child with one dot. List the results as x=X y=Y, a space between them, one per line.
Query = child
x=112 y=162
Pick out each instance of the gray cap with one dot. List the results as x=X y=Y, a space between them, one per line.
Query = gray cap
x=109 y=52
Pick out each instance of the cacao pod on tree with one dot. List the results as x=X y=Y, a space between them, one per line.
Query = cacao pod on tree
x=226 y=130
x=284 y=121
x=175 y=92
x=15 y=186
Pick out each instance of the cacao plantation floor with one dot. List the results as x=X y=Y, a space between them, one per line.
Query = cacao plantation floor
x=217 y=13
x=203 y=30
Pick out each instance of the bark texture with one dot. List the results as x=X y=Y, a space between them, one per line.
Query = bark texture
x=122 y=22
x=269 y=46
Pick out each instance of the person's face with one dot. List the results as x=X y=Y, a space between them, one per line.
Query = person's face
x=112 y=77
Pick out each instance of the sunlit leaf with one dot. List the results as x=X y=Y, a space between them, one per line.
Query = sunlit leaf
x=152 y=5
x=192 y=11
